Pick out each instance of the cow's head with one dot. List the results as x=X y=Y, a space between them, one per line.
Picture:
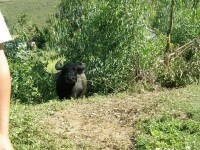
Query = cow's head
x=69 y=70
x=80 y=67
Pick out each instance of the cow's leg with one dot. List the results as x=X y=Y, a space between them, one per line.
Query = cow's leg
x=61 y=95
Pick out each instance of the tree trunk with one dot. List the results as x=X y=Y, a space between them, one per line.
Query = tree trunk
x=167 y=50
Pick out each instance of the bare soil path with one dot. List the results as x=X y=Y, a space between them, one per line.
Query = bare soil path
x=107 y=123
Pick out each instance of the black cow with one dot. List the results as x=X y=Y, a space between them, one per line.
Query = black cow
x=71 y=81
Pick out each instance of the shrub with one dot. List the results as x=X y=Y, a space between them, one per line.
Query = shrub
x=30 y=80
x=183 y=70
x=184 y=28
x=121 y=43
x=111 y=37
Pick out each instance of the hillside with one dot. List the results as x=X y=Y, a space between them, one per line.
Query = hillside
x=134 y=100
x=110 y=122
x=37 y=10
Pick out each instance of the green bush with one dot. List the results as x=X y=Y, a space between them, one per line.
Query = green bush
x=121 y=43
x=110 y=37
x=186 y=22
x=118 y=42
x=30 y=80
x=182 y=71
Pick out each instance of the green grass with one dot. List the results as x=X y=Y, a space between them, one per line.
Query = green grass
x=168 y=132
x=28 y=131
x=37 y=10
x=176 y=125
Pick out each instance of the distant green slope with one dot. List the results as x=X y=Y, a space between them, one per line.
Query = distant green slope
x=38 y=10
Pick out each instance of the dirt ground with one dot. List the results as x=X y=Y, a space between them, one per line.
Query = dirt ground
x=107 y=123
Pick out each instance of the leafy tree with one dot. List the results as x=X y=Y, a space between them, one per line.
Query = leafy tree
x=186 y=20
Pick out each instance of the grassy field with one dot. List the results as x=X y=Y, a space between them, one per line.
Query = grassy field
x=160 y=119
x=37 y=10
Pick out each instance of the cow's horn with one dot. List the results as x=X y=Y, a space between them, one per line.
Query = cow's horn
x=58 y=66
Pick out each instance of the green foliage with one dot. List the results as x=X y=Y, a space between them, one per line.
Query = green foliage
x=182 y=71
x=30 y=80
x=116 y=41
x=28 y=32
x=110 y=37
x=186 y=22
x=121 y=43
x=168 y=133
